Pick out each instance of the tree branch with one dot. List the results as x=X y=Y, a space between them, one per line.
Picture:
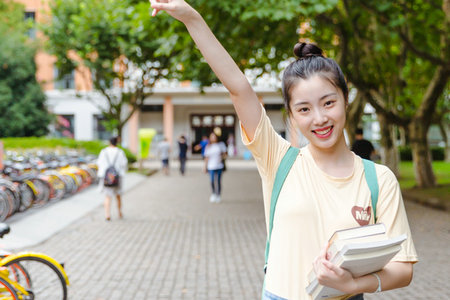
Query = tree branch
x=377 y=101
x=423 y=54
x=434 y=90
x=411 y=46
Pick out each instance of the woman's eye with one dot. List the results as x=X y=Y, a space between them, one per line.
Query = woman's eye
x=329 y=102
x=303 y=109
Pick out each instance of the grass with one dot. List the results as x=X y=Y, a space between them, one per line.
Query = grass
x=437 y=196
x=143 y=171
x=407 y=180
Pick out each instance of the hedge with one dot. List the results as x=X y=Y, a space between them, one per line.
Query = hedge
x=437 y=153
x=91 y=147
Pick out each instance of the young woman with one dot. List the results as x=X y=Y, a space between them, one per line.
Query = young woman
x=215 y=152
x=326 y=184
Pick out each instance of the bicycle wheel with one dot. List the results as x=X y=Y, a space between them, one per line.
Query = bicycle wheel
x=26 y=196
x=7 y=292
x=4 y=206
x=43 y=189
x=38 y=276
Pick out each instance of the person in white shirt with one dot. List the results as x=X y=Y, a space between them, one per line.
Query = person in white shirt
x=215 y=153
x=112 y=155
x=164 y=154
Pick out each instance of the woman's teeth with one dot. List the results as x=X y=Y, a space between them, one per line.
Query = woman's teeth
x=322 y=132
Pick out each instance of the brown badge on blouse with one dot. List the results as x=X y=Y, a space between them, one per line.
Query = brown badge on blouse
x=362 y=215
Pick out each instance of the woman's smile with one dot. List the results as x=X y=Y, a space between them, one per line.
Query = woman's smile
x=323 y=132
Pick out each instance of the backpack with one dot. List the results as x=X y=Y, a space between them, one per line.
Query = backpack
x=112 y=177
x=282 y=172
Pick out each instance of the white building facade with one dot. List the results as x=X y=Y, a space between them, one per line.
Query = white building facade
x=171 y=111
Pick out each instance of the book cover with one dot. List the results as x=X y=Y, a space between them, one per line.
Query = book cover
x=340 y=238
x=359 y=251
x=357 y=232
x=358 y=265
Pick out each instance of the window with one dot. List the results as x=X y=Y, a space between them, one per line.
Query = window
x=64 y=126
x=212 y=120
x=66 y=82
x=31 y=16
x=204 y=124
x=100 y=131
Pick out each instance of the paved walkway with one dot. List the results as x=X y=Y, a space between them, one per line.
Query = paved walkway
x=174 y=244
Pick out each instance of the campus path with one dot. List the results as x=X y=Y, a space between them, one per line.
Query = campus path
x=174 y=244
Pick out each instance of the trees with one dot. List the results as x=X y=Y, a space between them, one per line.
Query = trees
x=126 y=51
x=22 y=102
x=117 y=43
x=397 y=53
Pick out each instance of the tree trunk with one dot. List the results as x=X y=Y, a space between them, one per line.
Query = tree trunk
x=354 y=113
x=421 y=154
x=389 y=151
x=119 y=131
x=443 y=130
x=447 y=153
x=403 y=138
x=418 y=128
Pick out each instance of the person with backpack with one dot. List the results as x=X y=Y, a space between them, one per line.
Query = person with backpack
x=112 y=166
x=325 y=189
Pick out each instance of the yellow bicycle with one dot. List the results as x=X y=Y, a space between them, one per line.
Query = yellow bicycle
x=31 y=276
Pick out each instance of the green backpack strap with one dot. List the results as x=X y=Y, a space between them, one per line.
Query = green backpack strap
x=372 y=182
x=282 y=172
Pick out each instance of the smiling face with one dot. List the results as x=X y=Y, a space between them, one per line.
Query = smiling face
x=318 y=109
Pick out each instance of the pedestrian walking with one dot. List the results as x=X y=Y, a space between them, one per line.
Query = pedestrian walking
x=202 y=145
x=164 y=154
x=215 y=154
x=231 y=146
x=112 y=165
x=182 y=153
x=361 y=146
x=326 y=184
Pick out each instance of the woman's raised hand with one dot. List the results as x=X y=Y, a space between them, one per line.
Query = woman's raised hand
x=243 y=96
x=178 y=9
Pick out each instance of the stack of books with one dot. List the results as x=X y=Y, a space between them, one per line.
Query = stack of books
x=360 y=250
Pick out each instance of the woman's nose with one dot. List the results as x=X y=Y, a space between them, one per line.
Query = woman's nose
x=319 y=117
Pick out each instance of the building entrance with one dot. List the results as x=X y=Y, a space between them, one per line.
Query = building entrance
x=204 y=124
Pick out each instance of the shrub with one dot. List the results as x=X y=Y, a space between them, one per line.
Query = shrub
x=405 y=153
x=437 y=153
x=91 y=147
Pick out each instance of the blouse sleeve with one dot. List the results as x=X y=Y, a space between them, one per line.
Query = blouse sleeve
x=391 y=211
x=267 y=147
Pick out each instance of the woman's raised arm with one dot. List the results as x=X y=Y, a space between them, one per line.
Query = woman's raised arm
x=243 y=96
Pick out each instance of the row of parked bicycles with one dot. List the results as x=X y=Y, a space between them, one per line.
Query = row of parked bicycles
x=30 y=275
x=35 y=180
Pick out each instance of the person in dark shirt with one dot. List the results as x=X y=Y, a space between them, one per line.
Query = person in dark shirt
x=182 y=155
x=361 y=146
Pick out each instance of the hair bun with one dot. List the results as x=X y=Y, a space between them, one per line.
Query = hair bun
x=304 y=50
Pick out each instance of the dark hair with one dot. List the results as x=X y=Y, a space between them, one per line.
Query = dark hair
x=310 y=61
x=359 y=131
x=113 y=141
